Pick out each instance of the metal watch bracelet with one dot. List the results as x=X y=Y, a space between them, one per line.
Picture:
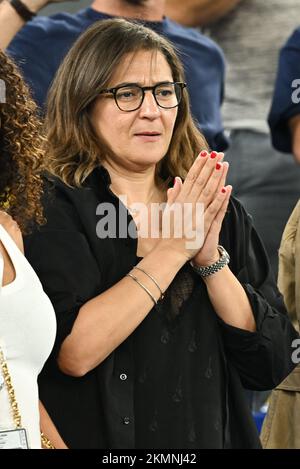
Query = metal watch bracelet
x=215 y=267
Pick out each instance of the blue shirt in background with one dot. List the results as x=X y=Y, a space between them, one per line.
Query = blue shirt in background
x=286 y=99
x=42 y=44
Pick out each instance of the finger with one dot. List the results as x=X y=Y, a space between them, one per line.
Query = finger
x=210 y=189
x=216 y=223
x=193 y=173
x=222 y=182
x=173 y=192
x=178 y=185
x=214 y=207
x=204 y=176
x=215 y=181
x=222 y=212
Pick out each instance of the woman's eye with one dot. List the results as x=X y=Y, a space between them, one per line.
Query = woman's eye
x=164 y=92
x=127 y=94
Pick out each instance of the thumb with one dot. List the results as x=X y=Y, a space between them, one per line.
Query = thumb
x=173 y=192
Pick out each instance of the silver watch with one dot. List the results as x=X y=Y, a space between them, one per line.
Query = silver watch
x=213 y=268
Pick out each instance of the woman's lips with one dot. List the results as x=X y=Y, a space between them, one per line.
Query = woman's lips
x=148 y=136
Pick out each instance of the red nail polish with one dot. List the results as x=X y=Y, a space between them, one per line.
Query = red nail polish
x=218 y=166
x=213 y=154
x=223 y=190
x=203 y=153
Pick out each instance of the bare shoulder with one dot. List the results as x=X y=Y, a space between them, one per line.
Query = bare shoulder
x=13 y=229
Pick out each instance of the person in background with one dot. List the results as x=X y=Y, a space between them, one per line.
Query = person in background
x=27 y=319
x=281 y=428
x=41 y=44
x=144 y=315
x=251 y=34
x=199 y=12
x=284 y=117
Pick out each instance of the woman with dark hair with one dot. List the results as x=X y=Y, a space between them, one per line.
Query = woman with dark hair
x=27 y=320
x=163 y=294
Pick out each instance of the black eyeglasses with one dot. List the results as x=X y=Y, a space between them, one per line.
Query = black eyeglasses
x=131 y=96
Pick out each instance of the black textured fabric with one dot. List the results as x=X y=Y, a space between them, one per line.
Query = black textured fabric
x=185 y=368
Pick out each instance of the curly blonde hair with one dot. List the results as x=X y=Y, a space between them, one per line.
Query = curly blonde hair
x=21 y=153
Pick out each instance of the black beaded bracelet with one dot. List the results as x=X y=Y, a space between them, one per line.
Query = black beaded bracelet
x=22 y=10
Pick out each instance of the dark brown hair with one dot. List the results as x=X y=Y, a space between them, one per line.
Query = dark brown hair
x=21 y=154
x=74 y=149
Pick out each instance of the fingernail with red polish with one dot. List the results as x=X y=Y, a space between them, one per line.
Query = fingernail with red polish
x=203 y=153
x=218 y=166
x=223 y=190
x=213 y=154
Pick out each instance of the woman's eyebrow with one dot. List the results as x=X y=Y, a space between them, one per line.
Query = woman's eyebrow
x=126 y=83
x=161 y=82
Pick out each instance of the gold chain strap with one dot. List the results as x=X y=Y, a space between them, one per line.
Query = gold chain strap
x=13 y=402
x=11 y=392
x=46 y=442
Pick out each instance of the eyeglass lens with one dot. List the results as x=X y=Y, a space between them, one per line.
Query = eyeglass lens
x=130 y=97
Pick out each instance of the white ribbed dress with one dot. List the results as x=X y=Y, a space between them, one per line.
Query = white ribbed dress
x=27 y=333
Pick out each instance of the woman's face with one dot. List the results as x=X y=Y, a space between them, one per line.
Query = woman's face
x=140 y=138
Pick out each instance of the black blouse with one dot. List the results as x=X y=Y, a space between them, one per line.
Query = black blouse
x=178 y=370
x=177 y=380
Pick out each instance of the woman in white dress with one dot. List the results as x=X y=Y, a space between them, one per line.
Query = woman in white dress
x=27 y=319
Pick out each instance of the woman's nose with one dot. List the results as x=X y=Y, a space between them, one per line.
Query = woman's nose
x=149 y=105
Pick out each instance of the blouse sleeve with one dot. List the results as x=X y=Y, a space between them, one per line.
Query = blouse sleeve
x=60 y=254
x=262 y=358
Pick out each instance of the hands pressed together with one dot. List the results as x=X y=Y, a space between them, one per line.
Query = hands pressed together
x=204 y=183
